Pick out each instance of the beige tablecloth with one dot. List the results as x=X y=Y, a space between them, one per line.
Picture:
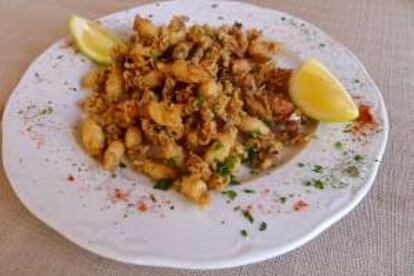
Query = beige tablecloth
x=377 y=238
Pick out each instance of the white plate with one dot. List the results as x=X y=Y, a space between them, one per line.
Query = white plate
x=66 y=189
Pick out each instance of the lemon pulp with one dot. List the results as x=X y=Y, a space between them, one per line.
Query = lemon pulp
x=320 y=95
x=93 y=40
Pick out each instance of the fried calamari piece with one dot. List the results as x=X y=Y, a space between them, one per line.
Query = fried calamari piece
x=197 y=166
x=93 y=137
x=155 y=170
x=186 y=72
x=194 y=188
x=113 y=155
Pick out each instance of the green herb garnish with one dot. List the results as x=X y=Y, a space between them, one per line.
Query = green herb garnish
x=269 y=123
x=254 y=133
x=47 y=110
x=316 y=183
x=230 y=194
x=319 y=184
x=219 y=145
x=233 y=181
x=244 y=233
x=199 y=100
x=301 y=165
x=352 y=171
x=171 y=162
x=262 y=226
x=358 y=157
x=225 y=167
x=317 y=169
x=339 y=145
x=249 y=191
x=154 y=54
x=282 y=199
x=252 y=153
x=163 y=184
x=247 y=215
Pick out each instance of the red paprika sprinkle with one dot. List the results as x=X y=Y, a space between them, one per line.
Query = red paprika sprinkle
x=141 y=206
x=365 y=117
x=70 y=178
x=119 y=195
x=300 y=205
x=365 y=121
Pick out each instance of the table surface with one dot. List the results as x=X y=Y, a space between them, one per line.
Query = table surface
x=377 y=238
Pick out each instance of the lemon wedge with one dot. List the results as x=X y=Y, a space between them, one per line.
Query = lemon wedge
x=93 y=40
x=320 y=95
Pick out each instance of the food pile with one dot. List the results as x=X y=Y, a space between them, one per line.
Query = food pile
x=187 y=105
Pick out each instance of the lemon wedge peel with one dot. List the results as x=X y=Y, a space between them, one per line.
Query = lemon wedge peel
x=93 y=40
x=320 y=95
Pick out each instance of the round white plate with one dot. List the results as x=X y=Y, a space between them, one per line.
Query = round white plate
x=122 y=217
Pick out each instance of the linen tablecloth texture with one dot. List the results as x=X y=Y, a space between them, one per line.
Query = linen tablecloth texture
x=377 y=238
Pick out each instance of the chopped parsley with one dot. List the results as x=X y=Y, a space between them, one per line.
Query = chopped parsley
x=230 y=194
x=352 y=171
x=225 y=167
x=244 y=233
x=319 y=184
x=301 y=165
x=358 y=157
x=222 y=168
x=234 y=181
x=317 y=169
x=47 y=110
x=171 y=162
x=219 y=145
x=163 y=184
x=339 y=145
x=154 y=54
x=254 y=133
x=262 y=226
x=282 y=199
x=316 y=183
x=269 y=123
x=247 y=215
x=249 y=191
x=252 y=153
x=199 y=100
